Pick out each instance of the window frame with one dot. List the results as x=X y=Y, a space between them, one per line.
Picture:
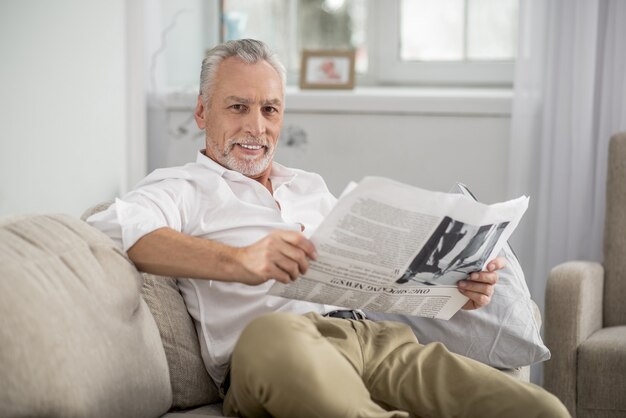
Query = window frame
x=392 y=70
x=385 y=68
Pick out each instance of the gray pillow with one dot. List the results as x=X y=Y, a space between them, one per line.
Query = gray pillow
x=191 y=384
x=504 y=334
x=76 y=338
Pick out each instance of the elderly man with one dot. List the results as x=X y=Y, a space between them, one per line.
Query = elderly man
x=231 y=224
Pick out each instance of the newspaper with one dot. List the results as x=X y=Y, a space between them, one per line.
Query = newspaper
x=391 y=247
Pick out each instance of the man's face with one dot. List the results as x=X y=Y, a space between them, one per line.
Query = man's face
x=242 y=121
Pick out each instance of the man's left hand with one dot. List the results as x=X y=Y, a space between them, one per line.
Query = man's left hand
x=479 y=286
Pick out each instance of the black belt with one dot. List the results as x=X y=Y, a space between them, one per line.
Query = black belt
x=346 y=314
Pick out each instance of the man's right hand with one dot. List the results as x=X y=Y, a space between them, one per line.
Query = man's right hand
x=282 y=255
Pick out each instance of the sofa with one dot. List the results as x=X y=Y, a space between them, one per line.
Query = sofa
x=586 y=314
x=84 y=334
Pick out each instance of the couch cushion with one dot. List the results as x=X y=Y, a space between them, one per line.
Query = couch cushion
x=191 y=384
x=504 y=334
x=601 y=381
x=77 y=338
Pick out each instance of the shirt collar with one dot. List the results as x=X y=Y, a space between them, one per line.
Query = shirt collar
x=202 y=159
x=279 y=173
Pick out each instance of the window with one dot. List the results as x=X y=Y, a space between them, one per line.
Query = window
x=457 y=30
x=397 y=42
x=448 y=41
x=291 y=26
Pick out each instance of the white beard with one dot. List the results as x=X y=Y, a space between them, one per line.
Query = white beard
x=248 y=166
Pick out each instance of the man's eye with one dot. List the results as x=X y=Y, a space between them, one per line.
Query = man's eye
x=238 y=107
x=270 y=109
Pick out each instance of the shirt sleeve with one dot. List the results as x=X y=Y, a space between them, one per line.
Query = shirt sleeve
x=142 y=211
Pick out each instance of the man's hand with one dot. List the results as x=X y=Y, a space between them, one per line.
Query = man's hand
x=479 y=286
x=282 y=255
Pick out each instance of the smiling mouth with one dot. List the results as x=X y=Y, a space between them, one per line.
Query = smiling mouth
x=251 y=147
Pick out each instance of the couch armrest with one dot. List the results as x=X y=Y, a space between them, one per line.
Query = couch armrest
x=573 y=312
x=96 y=209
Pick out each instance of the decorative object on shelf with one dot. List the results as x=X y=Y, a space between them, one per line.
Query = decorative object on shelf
x=293 y=136
x=327 y=69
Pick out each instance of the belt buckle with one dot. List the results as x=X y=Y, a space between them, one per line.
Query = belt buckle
x=358 y=315
x=355 y=314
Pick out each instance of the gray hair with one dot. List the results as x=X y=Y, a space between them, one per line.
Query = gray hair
x=249 y=51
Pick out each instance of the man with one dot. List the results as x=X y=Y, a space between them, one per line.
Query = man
x=232 y=222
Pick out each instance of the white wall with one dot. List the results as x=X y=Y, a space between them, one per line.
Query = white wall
x=62 y=104
x=430 y=139
x=432 y=152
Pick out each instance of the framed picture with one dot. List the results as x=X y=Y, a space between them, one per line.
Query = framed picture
x=327 y=69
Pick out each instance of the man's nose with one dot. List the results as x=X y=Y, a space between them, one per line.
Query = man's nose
x=255 y=123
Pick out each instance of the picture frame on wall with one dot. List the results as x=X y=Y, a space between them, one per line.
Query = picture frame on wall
x=327 y=69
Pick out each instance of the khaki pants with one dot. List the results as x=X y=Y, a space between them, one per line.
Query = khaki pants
x=299 y=366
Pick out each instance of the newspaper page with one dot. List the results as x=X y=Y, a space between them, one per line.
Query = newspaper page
x=391 y=247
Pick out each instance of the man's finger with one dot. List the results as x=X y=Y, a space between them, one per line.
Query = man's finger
x=294 y=254
x=484 y=277
x=300 y=241
x=475 y=287
x=476 y=300
x=282 y=276
x=497 y=263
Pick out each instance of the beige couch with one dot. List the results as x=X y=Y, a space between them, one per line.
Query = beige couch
x=84 y=334
x=586 y=314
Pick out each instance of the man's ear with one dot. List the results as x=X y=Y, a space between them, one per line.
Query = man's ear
x=199 y=113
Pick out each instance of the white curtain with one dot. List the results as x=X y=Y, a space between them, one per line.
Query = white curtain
x=570 y=96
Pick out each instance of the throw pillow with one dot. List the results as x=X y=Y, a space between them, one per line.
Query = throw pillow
x=191 y=384
x=503 y=334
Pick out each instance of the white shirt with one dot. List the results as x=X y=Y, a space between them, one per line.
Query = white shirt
x=204 y=199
